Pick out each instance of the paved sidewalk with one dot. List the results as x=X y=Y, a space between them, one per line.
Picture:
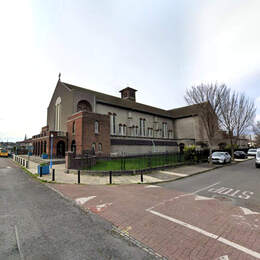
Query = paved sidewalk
x=170 y=174
x=155 y=177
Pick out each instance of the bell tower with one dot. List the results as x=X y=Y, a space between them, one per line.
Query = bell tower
x=128 y=93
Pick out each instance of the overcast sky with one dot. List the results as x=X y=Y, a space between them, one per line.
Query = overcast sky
x=158 y=47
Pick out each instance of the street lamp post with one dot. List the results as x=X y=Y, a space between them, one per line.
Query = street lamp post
x=51 y=150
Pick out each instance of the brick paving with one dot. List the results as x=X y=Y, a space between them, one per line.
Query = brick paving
x=126 y=207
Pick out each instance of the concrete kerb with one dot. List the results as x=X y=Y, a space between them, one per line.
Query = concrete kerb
x=200 y=172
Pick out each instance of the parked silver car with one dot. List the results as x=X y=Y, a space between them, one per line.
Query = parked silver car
x=251 y=152
x=257 y=158
x=221 y=157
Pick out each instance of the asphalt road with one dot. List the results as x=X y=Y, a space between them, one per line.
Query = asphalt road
x=238 y=184
x=37 y=223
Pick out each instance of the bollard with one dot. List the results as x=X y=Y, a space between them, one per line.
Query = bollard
x=53 y=174
x=27 y=164
x=142 y=177
x=40 y=171
x=110 y=177
x=78 y=177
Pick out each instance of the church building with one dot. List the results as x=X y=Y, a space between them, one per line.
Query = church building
x=85 y=121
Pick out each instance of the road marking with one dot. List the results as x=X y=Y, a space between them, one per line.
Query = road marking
x=81 y=201
x=208 y=234
x=197 y=197
x=205 y=188
x=232 y=192
x=249 y=212
x=102 y=206
x=8 y=167
x=152 y=186
x=18 y=243
x=175 y=173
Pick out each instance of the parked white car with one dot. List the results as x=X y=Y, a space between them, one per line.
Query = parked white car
x=221 y=157
x=257 y=158
x=251 y=152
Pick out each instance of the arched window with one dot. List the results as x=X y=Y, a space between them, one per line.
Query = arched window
x=100 y=147
x=84 y=105
x=93 y=147
x=57 y=114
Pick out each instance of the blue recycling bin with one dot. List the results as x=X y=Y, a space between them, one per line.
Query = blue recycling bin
x=44 y=156
x=45 y=169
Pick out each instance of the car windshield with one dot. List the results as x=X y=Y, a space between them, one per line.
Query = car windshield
x=252 y=150
x=218 y=154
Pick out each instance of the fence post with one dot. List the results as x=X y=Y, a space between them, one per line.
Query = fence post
x=40 y=171
x=110 y=177
x=78 y=176
x=53 y=174
x=142 y=177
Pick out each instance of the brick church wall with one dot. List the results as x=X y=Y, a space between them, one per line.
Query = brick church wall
x=85 y=135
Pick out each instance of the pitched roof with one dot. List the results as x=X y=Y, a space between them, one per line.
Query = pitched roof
x=116 y=101
x=186 y=111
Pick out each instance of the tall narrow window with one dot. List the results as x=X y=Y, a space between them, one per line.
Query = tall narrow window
x=73 y=127
x=96 y=127
x=142 y=127
x=93 y=147
x=112 y=123
x=100 y=147
x=120 y=129
x=124 y=130
x=170 y=134
x=57 y=113
x=164 y=130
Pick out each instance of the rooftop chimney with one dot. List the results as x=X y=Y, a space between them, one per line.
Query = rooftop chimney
x=128 y=93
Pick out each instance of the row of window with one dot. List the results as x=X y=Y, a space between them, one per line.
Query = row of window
x=149 y=132
x=134 y=131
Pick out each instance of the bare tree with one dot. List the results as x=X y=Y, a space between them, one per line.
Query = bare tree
x=237 y=113
x=207 y=97
x=256 y=129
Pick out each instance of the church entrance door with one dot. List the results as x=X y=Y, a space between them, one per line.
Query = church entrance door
x=60 y=149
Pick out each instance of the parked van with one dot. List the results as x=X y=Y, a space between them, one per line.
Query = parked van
x=257 y=158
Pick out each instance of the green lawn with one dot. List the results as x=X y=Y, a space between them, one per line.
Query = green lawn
x=136 y=163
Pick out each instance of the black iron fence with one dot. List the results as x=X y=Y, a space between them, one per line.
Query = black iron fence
x=146 y=161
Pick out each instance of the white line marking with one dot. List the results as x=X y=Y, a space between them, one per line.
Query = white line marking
x=18 y=242
x=152 y=186
x=81 y=201
x=208 y=234
x=249 y=212
x=105 y=205
x=197 y=197
x=175 y=173
x=205 y=188
x=183 y=195
x=8 y=167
